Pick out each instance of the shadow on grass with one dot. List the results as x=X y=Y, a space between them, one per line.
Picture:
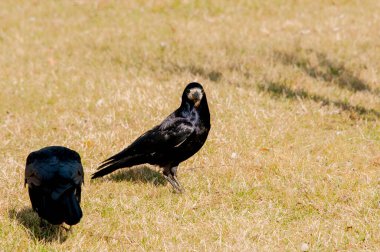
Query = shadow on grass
x=317 y=65
x=30 y=220
x=280 y=90
x=140 y=174
x=212 y=75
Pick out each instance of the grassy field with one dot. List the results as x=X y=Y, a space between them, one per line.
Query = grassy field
x=293 y=156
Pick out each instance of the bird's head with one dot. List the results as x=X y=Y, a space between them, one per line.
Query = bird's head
x=193 y=94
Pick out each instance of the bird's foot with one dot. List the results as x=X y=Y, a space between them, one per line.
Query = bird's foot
x=178 y=184
x=65 y=227
x=177 y=188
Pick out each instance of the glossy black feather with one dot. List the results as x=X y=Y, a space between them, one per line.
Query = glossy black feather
x=176 y=139
x=54 y=176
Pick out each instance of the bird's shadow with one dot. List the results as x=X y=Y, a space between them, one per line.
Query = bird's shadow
x=325 y=70
x=30 y=220
x=140 y=174
x=278 y=89
x=321 y=67
x=211 y=74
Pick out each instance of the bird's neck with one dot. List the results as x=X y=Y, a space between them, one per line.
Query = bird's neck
x=202 y=110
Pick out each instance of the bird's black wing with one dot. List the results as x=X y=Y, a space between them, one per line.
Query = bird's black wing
x=70 y=176
x=171 y=133
x=39 y=169
x=32 y=176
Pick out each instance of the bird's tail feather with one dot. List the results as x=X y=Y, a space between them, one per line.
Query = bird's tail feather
x=104 y=170
x=73 y=212
x=107 y=163
x=115 y=158
x=112 y=165
x=65 y=209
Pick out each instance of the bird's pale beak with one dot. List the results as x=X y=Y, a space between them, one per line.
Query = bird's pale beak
x=196 y=96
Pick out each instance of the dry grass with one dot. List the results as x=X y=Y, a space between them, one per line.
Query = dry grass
x=293 y=88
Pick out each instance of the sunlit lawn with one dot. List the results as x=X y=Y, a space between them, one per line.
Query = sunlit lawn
x=293 y=155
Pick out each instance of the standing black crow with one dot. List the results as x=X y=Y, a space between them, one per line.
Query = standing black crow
x=54 y=176
x=176 y=139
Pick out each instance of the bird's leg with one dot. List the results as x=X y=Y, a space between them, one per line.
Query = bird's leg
x=169 y=177
x=174 y=173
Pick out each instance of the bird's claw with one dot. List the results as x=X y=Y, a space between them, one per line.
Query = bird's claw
x=178 y=184
x=174 y=182
x=65 y=227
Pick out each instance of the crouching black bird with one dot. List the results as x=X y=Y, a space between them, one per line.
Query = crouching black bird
x=54 y=176
x=176 y=139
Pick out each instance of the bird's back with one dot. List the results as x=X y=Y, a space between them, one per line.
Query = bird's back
x=54 y=176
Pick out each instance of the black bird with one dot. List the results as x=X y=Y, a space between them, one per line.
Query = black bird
x=176 y=139
x=54 y=176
